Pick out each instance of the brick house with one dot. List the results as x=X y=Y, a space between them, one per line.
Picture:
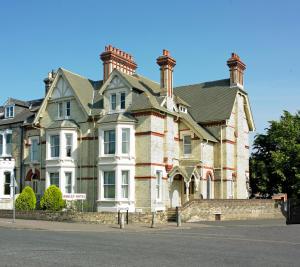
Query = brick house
x=129 y=142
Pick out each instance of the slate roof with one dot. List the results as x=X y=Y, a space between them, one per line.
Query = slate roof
x=117 y=117
x=209 y=101
x=63 y=124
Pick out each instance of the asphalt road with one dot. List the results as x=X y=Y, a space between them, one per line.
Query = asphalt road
x=244 y=243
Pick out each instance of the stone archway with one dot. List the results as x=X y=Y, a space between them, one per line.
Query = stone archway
x=176 y=191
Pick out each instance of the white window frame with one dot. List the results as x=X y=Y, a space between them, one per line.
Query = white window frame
x=122 y=93
x=8 y=146
x=125 y=142
x=7 y=183
x=124 y=185
x=53 y=146
x=9 y=111
x=158 y=185
x=104 y=185
x=187 y=145
x=32 y=141
x=111 y=102
x=107 y=143
x=68 y=109
x=69 y=146
x=60 y=110
x=56 y=177
x=68 y=183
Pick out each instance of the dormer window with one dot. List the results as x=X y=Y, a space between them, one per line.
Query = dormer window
x=9 y=112
x=64 y=109
x=122 y=100
x=113 y=101
x=182 y=109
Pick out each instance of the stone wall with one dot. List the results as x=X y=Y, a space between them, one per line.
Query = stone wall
x=231 y=209
x=85 y=217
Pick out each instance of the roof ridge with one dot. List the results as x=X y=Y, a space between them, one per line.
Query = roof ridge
x=76 y=74
x=194 y=84
x=146 y=78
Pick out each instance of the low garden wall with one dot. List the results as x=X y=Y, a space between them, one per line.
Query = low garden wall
x=85 y=217
x=231 y=209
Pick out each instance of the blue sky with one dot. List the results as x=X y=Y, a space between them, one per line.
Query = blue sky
x=37 y=36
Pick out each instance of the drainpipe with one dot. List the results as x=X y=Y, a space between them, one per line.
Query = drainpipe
x=80 y=166
x=94 y=163
x=221 y=162
x=21 y=158
x=41 y=154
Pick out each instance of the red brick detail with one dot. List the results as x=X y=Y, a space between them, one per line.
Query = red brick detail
x=247 y=147
x=229 y=168
x=149 y=164
x=207 y=167
x=228 y=141
x=150 y=133
x=209 y=173
x=230 y=126
x=30 y=175
x=213 y=123
x=169 y=167
x=149 y=113
x=176 y=139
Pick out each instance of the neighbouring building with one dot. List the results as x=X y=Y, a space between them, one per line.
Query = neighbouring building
x=129 y=142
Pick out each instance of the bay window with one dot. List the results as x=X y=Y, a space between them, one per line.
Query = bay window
x=109 y=142
x=124 y=185
x=187 y=145
x=34 y=154
x=125 y=140
x=54 y=178
x=68 y=184
x=8 y=144
x=109 y=184
x=54 y=146
x=69 y=142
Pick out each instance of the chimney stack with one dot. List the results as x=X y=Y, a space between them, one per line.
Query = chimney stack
x=49 y=80
x=236 y=68
x=114 y=58
x=167 y=64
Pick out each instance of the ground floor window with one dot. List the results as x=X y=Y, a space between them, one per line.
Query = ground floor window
x=7 y=181
x=54 y=178
x=158 y=184
x=125 y=182
x=109 y=181
x=68 y=187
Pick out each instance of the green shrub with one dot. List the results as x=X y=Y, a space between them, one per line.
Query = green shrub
x=26 y=200
x=52 y=199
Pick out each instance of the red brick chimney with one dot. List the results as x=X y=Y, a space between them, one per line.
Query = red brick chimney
x=167 y=64
x=114 y=58
x=236 y=68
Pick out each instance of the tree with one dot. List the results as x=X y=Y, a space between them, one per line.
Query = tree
x=52 y=199
x=275 y=162
x=26 y=200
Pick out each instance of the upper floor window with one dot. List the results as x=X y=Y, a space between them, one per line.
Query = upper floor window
x=113 y=101
x=109 y=184
x=109 y=142
x=69 y=145
x=187 y=144
x=34 y=149
x=125 y=140
x=54 y=146
x=9 y=112
x=122 y=100
x=54 y=178
x=182 y=109
x=1 y=144
x=7 y=181
x=8 y=144
x=63 y=109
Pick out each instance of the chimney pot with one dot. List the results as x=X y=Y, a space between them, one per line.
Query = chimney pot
x=236 y=68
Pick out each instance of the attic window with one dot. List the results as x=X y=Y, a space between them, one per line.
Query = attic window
x=182 y=109
x=9 y=112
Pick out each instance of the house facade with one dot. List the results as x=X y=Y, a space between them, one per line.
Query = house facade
x=131 y=143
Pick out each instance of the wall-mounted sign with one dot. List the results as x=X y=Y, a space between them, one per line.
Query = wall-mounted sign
x=74 y=196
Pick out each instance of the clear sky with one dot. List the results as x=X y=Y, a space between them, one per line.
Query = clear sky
x=37 y=36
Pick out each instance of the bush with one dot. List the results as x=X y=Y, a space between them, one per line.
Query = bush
x=52 y=199
x=26 y=200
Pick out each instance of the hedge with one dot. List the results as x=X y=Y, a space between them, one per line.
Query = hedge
x=52 y=199
x=26 y=200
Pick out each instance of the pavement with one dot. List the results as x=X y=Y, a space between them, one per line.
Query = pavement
x=224 y=243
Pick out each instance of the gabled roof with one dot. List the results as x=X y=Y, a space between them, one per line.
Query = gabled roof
x=67 y=124
x=209 y=101
x=117 y=117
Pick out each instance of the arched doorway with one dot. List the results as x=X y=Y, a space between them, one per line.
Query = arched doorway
x=176 y=191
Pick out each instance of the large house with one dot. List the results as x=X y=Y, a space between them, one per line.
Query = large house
x=129 y=142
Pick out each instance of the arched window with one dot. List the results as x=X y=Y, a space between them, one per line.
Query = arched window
x=208 y=187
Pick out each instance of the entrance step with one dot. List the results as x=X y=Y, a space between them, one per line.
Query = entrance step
x=171 y=215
